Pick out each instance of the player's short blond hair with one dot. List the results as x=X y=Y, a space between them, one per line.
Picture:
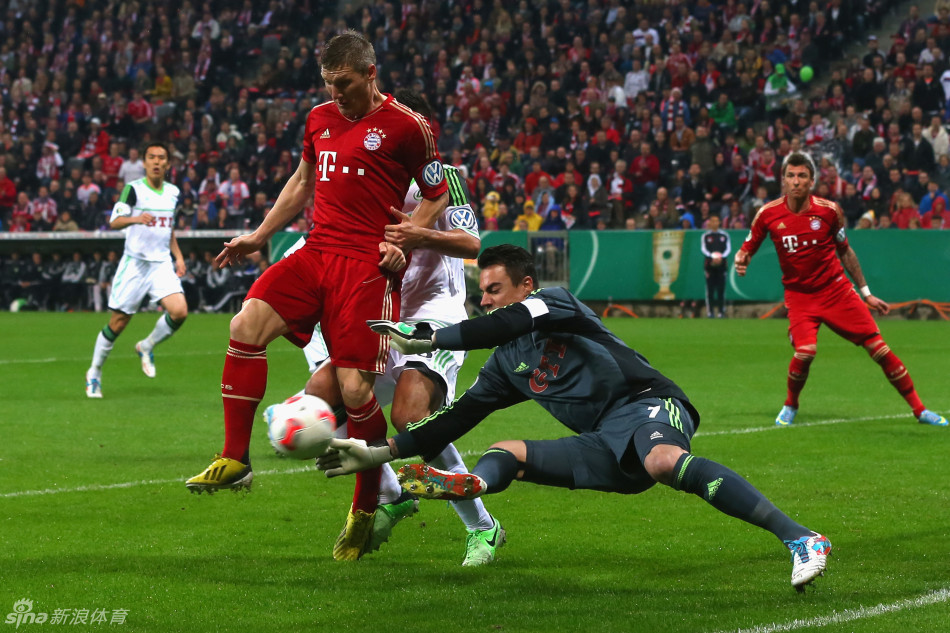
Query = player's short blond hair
x=348 y=50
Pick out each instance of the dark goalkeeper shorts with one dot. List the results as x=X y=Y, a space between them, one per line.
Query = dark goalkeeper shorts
x=610 y=459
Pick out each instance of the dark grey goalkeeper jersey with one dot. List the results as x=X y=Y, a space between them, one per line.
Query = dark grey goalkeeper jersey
x=551 y=349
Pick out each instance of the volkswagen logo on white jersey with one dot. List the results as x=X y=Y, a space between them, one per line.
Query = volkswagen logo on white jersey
x=432 y=174
x=463 y=218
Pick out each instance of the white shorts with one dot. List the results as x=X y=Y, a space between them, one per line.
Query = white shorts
x=136 y=278
x=445 y=363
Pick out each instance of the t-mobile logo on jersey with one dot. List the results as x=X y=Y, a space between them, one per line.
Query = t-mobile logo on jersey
x=326 y=164
x=790 y=242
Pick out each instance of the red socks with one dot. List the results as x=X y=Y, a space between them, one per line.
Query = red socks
x=366 y=423
x=797 y=375
x=896 y=372
x=243 y=382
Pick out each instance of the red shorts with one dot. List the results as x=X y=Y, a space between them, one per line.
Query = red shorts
x=838 y=306
x=340 y=293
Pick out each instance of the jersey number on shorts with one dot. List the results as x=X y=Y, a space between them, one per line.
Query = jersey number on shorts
x=672 y=413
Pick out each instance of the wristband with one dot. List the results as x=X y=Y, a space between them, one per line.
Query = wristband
x=865 y=291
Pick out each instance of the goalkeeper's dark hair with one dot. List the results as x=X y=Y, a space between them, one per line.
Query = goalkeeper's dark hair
x=415 y=101
x=517 y=262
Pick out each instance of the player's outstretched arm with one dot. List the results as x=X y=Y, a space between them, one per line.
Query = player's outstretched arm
x=345 y=457
x=484 y=332
x=849 y=259
x=292 y=198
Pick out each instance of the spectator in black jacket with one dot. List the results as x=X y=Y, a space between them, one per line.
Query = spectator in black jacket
x=916 y=155
x=928 y=93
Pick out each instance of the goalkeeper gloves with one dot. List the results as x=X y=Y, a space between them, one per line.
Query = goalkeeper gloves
x=345 y=457
x=408 y=339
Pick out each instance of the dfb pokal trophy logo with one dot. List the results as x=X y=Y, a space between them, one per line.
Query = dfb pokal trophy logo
x=667 y=248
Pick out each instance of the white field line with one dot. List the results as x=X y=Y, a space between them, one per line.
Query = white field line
x=43 y=361
x=181 y=480
x=850 y=615
x=303 y=469
x=799 y=425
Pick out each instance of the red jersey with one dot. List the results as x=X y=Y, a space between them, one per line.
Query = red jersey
x=807 y=243
x=363 y=168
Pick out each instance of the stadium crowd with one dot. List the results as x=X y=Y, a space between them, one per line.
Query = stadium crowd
x=562 y=115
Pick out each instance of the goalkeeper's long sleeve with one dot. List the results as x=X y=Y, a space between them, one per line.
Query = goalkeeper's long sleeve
x=499 y=327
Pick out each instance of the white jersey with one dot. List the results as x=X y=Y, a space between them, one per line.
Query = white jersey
x=149 y=242
x=433 y=288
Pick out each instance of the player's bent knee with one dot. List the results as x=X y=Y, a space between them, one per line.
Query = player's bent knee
x=806 y=353
x=118 y=322
x=660 y=463
x=356 y=387
x=515 y=447
x=257 y=324
x=323 y=384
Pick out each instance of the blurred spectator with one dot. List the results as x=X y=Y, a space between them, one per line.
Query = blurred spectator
x=232 y=196
x=8 y=193
x=133 y=168
x=532 y=221
x=87 y=188
x=96 y=143
x=65 y=222
x=91 y=281
x=906 y=211
x=938 y=217
x=72 y=284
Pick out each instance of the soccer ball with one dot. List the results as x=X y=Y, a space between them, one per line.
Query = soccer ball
x=300 y=427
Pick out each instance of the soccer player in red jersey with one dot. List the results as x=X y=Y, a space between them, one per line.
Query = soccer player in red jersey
x=813 y=253
x=361 y=150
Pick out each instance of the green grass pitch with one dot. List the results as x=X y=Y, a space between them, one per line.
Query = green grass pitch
x=96 y=516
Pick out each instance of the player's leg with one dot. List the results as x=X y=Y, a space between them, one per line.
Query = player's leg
x=129 y=287
x=898 y=376
x=719 y=293
x=243 y=382
x=661 y=442
x=852 y=320
x=420 y=391
x=284 y=300
x=394 y=504
x=365 y=421
x=803 y=335
x=176 y=311
x=359 y=293
x=104 y=342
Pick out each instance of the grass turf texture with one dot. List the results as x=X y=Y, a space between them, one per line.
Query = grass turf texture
x=856 y=466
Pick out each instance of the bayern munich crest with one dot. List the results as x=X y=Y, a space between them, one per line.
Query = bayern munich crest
x=373 y=139
x=815 y=224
